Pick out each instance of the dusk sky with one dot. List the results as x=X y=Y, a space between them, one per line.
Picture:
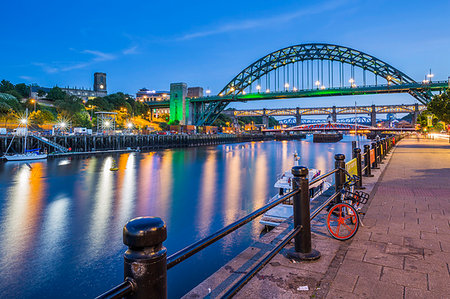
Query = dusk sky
x=206 y=43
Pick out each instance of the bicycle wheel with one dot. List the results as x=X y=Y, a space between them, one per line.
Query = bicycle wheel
x=342 y=221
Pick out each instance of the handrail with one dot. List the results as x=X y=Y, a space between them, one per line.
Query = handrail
x=323 y=176
x=192 y=249
x=120 y=290
x=243 y=281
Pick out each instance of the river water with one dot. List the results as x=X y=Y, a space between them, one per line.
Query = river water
x=61 y=220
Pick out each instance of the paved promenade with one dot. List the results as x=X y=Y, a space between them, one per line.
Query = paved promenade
x=403 y=251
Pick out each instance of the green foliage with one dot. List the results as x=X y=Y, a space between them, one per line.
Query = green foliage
x=6 y=86
x=56 y=94
x=440 y=106
x=41 y=93
x=11 y=101
x=4 y=108
x=81 y=119
x=23 y=90
x=70 y=104
x=422 y=120
x=15 y=94
x=222 y=120
x=40 y=117
x=163 y=126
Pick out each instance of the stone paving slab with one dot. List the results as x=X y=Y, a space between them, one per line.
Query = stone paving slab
x=402 y=251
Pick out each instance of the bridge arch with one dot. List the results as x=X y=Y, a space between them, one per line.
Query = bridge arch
x=313 y=51
x=313 y=54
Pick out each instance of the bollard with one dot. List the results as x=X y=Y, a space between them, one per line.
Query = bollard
x=375 y=152
x=339 y=176
x=368 y=171
x=302 y=241
x=378 y=152
x=357 y=154
x=145 y=260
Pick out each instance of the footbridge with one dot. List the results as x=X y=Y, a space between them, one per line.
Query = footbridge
x=301 y=71
x=332 y=112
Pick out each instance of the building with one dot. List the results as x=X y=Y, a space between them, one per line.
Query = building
x=83 y=93
x=194 y=92
x=145 y=95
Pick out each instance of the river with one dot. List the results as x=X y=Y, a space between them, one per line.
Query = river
x=61 y=220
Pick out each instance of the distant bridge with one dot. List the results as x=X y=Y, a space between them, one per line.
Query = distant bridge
x=336 y=127
x=349 y=120
x=372 y=111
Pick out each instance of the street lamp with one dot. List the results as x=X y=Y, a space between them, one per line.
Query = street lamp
x=34 y=102
x=317 y=84
x=258 y=87
x=23 y=120
x=430 y=75
x=286 y=86
x=208 y=92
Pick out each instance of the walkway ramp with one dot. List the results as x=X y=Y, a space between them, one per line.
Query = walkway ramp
x=55 y=145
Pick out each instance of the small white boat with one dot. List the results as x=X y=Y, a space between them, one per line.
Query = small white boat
x=283 y=211
x=27 y=155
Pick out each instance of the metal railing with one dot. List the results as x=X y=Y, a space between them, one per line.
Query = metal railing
x=146 y=262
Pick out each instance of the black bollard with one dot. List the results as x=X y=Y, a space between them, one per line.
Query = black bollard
x=339 y=176
x=145 y=260
x=375 y=152
x=357 y=154
x=367 y=164
x=303 y=247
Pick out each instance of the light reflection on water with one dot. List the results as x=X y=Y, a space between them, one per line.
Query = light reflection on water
x=61 y=220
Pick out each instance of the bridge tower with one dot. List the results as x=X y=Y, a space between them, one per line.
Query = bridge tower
x=178 y=111
x=415 y=115
x=265 y=118
x=373 y=116
x=298 y=117
x=334 y=115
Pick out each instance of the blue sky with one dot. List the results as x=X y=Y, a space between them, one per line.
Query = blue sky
x=206 y=43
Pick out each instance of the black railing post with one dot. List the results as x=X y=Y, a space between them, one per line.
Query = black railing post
x=339 y=176
x=375 y=153
x=357 y=154
x=145 y=260
x=379 y=152
x=303 y=247
x=368 y=171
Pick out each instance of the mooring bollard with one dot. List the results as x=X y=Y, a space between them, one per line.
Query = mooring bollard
x=302 y=247
x=357 y=154
x=375 y=152
x=145 y=260
x=339 y=176
x=368 y=171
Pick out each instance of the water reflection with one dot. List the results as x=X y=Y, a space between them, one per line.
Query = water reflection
x=61 y=220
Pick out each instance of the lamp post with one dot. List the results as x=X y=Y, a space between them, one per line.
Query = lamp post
x=317 y=84
x=430 y=76
x=34 y=102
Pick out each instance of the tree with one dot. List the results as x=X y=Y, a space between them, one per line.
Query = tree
x=440 y=106
x=56 y=94
x=23 y=90
x=41 y=116
x=41 y=93
x=6 y=86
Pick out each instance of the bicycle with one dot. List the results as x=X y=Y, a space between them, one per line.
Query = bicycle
x=343 y=218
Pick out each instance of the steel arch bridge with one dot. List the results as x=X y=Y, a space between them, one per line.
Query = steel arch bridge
x=284 y=65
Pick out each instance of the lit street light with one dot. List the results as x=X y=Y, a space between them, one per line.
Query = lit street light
x=317 y=84
x=34 y=102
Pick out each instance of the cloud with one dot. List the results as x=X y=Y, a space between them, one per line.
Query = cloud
x=28 y=78
x=130 y=51
x=254 y=23
x=96 y=57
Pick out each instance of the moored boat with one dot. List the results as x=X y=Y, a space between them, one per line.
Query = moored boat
x=283 y=211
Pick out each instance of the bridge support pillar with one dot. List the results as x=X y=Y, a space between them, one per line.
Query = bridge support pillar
x=334 y=115
x=178 y=92
x=373 y=116
x=265 y=119
x=298 y=117
x=415 y=115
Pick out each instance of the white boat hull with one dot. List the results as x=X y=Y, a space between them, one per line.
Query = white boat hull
x=281 y=212
x=25 y=157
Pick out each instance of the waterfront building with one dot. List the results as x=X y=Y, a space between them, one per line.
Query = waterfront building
x=146 y=95
x=83 y=93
